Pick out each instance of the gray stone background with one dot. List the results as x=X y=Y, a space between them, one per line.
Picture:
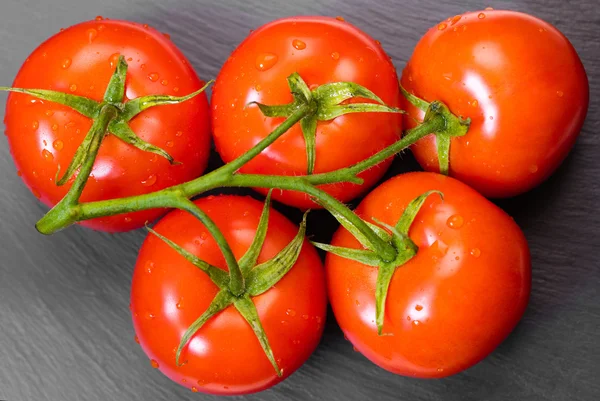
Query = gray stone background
x=65 y=329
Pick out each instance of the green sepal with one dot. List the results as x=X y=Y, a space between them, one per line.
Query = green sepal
x=116 y=86
x=121 y=130
x=221 y=301
x=363 y=256
x=218 y=276
x=275 y=111
x=80 y=155
x=299 y=89
x=236 y=279
x=267 y=274
x=84 y=106
x=247 y=309
x=248 y=261
x=409 y=214
x=415 y=101
x=331 y=112
x=336 y=92
x=135 y=106
x=360 y=237
x=309 y=131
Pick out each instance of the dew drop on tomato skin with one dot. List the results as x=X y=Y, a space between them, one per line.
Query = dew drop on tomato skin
x=455 y=221
x=266 y=61
x=153 y=77
x=149 y=266
x=335 y=55
x=475 y=252
x=73 y=87
x=35 y=125
x=66 y=63
x=442 y=26
x=455 y=19
x=54 y=127
x=48 y=156
x=170 y=144
x=481 y=16
x=92 y=34
x=340 y=18
x=194 y=389
x=298 y=44
x=290 y=312
x=154 y=364
x=151 y=180
x=136 y=339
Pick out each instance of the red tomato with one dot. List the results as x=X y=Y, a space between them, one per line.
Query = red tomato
x=521 y=83
x=322 y=50
x=80 y=60
x=224 y=357
x=455 y=301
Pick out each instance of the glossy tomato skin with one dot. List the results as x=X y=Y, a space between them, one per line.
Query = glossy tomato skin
x=224 y=357
x=321 y=50
x=455 y=301
x=522 y=84
x=80 y=60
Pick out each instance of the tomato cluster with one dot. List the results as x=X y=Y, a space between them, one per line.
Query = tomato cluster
x=228 y=297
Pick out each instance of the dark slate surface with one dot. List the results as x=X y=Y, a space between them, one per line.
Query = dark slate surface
x=65 y=329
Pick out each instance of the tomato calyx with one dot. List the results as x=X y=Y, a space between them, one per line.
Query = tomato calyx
x=325 y=102
x=117 y=124
x=256 y=279
x=396 y=235
x=455 y=126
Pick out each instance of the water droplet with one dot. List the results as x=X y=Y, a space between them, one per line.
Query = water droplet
x=442 y=26
x=533 y=168
x=455 y=221
x=35 y=174
x=151 y=180
x=35 y=125
x=136 y=339
x=487 y=9
x=154 y=364
x=47 y=155
x=54 y=127
x=49 y=113
x=203 y=235
x=149 y=266
x=416 y=323
x=73 y=87
x=335 y=55
x=265 y=61
x=175 y=89
x=126 y=219
x=491 y=117
x=475 y=252
x=290 y=312
x=457 y=258
x=183 y=380
x=357 y=303
x=194 y=390
x=475 y=103
x=179 y=304
x=170 y=144
x=113 y=60
x=92 y=34
x=296 y=342
x=150 y=315
x=305 y=317
x=142 y=66
x=378 y=42
x=146 y=26
x=481 y=16
x=418 y=307
x=19 y=173
x=154 y=158
x=66 y=63
x=440 y=369
x=99 y=18
x=164 y=82
x=560 y=93
x=408 y=318
x=153 y=77
x=36 y=193
x=298 y=44
x=455 y=19
x=101 y=28
x=166 y=35
x=226 y=387
x=340 y=18
x=257 y=87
